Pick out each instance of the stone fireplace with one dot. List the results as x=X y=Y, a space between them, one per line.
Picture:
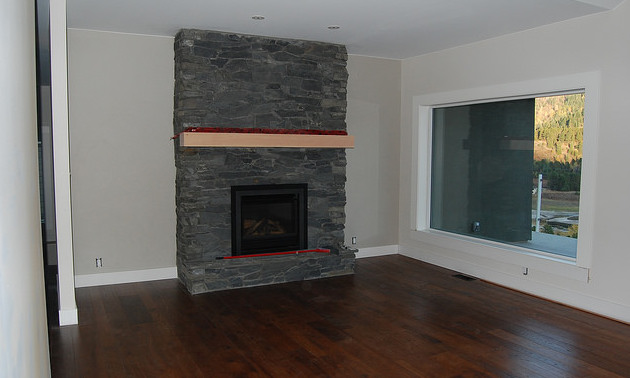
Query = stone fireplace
x=231 y=80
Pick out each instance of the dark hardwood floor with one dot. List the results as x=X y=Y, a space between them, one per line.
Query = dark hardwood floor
x=396 y=317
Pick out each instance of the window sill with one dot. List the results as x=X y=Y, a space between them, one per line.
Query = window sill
x=504 y=253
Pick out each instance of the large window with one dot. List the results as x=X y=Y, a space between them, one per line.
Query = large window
x=509 y=171
x=479 y=152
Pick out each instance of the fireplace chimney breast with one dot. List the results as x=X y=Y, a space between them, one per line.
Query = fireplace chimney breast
x=232 y=80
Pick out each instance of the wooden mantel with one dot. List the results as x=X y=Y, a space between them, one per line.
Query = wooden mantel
x=218 y=139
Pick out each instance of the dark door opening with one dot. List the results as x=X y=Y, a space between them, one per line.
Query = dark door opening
x=45 y=152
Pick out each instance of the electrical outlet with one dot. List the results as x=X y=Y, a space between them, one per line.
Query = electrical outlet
x=99 y=262
x=476 y=226
x=354 y=240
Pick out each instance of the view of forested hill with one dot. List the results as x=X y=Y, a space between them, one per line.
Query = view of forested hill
x=558 y=134
x=559 y=127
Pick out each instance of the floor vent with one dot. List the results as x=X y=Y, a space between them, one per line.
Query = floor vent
x=464 y=277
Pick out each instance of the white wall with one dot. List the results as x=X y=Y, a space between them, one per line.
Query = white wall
x=23 y=333
x=593 y=43
x=373 y=117
x=123 y=168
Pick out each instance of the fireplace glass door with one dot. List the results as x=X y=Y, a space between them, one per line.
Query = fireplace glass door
x=268 y=218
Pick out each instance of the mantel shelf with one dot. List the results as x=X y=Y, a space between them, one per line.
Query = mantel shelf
x=197 y=139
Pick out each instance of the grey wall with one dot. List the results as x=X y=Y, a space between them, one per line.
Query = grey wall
x=123 y=173
x=373 y=113
x=373 y=170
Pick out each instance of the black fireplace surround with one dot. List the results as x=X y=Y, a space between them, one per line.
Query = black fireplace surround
x=269 y=218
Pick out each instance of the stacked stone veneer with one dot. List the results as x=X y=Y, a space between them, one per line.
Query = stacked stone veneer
x=230 y=80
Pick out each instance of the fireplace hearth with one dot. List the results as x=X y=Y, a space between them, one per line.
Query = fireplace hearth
x=269 y=218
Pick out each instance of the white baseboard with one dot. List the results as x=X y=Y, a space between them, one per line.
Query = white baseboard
x=68 y=317
x=377 y=251
x=86 y=280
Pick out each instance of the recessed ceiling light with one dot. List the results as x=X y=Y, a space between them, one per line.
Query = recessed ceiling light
x=333 y=27
x=258 y=17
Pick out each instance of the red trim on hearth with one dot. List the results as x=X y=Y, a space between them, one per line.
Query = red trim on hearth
x=249 y=130
x=318 y=250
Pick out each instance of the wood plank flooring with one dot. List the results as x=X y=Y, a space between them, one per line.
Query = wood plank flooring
x=397 y=317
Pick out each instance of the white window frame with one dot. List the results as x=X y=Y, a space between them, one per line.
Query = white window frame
x=589 y=83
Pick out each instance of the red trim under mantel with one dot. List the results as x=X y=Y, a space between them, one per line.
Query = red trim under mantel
x=250 y=130
x=318 y=250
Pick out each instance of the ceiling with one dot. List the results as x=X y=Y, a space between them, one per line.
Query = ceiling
x=394 y=29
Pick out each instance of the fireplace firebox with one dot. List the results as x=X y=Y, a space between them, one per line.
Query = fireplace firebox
x=269 y=218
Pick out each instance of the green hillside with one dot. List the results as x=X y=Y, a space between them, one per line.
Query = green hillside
x=558 y=137
x=559 y=128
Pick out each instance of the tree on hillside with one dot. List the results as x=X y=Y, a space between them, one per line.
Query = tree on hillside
x=560 y=176
x=559 y=125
